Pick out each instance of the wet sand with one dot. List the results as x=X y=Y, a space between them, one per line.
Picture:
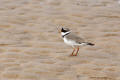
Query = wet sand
x=32 y=49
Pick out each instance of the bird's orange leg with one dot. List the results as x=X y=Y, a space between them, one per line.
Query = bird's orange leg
x=77 y=51
x=73 y=52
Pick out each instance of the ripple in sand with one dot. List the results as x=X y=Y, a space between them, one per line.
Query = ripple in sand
x=28 y=76
x=10 y=74
x=5 y=26
x=2 y=50
x=111 y=35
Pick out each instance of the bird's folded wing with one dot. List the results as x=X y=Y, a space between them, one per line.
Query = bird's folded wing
x=75 y=38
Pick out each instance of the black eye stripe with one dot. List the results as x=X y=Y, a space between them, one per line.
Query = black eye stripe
x=63 y=30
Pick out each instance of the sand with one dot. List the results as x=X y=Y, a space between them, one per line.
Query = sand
x=32 y=49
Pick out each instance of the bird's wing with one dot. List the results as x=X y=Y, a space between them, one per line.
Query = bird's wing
x=75 y=38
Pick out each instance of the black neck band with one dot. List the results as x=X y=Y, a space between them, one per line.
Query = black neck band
x=65 y=34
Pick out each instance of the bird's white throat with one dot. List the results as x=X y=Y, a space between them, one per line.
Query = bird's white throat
x=64 y=33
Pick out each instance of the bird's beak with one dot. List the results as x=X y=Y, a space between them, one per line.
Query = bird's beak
x=59 y=31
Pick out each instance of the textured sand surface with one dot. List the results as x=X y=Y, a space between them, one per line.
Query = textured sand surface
x=31 y=48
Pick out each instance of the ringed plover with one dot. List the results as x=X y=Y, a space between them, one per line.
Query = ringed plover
x=73 y=40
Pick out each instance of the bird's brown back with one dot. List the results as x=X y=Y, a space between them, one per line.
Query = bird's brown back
x=72 y=36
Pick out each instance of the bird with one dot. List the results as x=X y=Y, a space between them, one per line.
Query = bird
x=73 y=40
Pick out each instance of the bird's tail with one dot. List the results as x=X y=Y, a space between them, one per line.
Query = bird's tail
x=91 y=44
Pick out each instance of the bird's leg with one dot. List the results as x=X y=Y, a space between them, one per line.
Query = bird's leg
x=77 y=51
x=73 y=51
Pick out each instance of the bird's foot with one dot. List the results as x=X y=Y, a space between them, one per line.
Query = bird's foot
x=73 y=55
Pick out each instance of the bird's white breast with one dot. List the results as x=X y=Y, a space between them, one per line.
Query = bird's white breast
x=69 y=42
x=72 y=43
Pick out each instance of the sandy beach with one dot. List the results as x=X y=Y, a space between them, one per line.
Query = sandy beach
x=32 y=49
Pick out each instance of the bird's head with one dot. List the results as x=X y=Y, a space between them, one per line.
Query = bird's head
x=65 y=31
